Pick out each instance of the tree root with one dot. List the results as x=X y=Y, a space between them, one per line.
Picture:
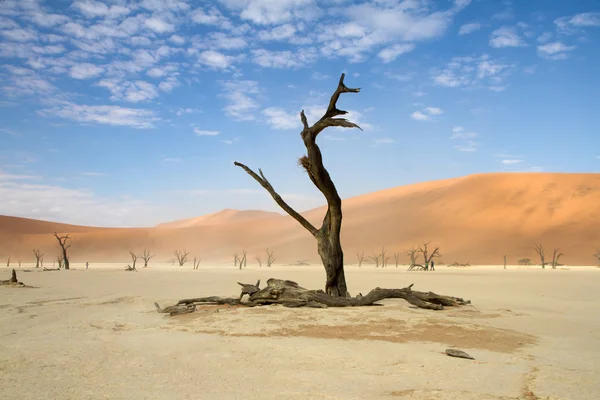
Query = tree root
x=290 y=294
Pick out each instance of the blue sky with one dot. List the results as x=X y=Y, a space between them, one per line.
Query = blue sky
x=131 y=113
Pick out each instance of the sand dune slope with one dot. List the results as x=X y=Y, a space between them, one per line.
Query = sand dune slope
x=477 y=218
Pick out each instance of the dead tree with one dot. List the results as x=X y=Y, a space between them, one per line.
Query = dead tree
x=290 y=294
x=525 y=261
x=397 y=259
x=413 y=253
x=38 y=257
x=384 y=259
x=59 y=260
x=42 y=261
x=270 y=257
x=134 y=257
x=8 y=262
x=197 y=264
x=259 y=260
x=555 y=256
x=235 y=259
x=426 y=256
x=62 y=241
x=182 y=256
x=540 y=250
x=13 y=281
x=19 y=262
x=242 y=259
x=146 y=257
x=505 y=261
x=375 y=259
x=361 y=257
x=597 y=255
x=328 y=236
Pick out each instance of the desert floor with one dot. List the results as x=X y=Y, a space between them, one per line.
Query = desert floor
x=95 y=334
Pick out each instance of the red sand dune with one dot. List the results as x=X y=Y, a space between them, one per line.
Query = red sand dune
x=477 y=218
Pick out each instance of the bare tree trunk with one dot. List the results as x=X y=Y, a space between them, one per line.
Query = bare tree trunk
x=62 y=241
x=361 y=257
x=540 y=250
x=270 y=257
x=397 y=259
x=257 y=258
x=376 y=260
x=8 y=262
x=328 y=236
x=146 y=256
x=38 y=256
x=505 y=261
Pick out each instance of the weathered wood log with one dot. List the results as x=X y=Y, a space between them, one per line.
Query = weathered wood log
x=290 y=294
x=176 y=309
x=51 y=269
x=458 y=353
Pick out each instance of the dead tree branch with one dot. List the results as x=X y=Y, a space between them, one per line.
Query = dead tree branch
x=290 y=294
x=197 y=264
x=134 y=257
x=259 y=260
x=360 y=257
x=62 y=241
x=328 y=236
x=540 y=250
x=426 y=256
x=597 y=255
x=13 y=281
x=375 y=259
x=242 y=259
x=397 y=258
x=555 y=256
x=270 y=257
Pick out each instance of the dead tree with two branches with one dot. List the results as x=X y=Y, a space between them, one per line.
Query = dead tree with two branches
x=426 y=256
x=413 y=254
x=259 y=260
x=134 y=257
x=146 y=257
x=375 y=259
x=242 y=260
x=597 y=255
x=182 y=256
x=235 y=259
x=59 y=260
x=360 y=257
x=540 y=250
x=329 y=247
x=270 y=257
x=62 y=241
x=197 y=263
x=555 y=256
x=39 y=256
x=397 y=258
x=384 y=258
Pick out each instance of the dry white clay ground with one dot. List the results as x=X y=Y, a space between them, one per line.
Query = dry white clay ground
x=95 y=334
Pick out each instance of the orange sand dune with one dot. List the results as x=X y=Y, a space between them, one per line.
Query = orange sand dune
x=226 y=216
x=477 y=218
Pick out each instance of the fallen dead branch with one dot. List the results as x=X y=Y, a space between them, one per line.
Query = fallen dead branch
x=290 y=294
x=13 y=281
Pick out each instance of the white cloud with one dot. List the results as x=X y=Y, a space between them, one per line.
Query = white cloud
x=269 y=12
x=554 y=50
x=210 y=17
x=583 y=20
x=279 y=33
x=434 y=110
x=158 y=25
x=110 y=115
x=463 y=135
x=480 y=71
x=201 y=132
x=384 y=141
x=319 y=76
x=389 y=54
x=94 y=9
x=506 y=37
x=177 y=39
x=511 y=161
x=284 y=58
x=419 y=116
x=241 y=103
x=19 y=35
x=133 y=92
x=457 y=129
x=469 y=28
x=214 y=59
x=278 y=118
x=468 y=147
x=85 y=71
x=545 y=37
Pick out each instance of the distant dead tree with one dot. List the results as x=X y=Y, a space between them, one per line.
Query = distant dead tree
x=42 y=261
x=134 y=257
x=505 y=261
x=361 y=257
x=397 y=258
x=242 y=259
x=146 y=257
x=540 y=250
x=457 y=264
x=525 y=261
x=384 y=258
x=597 y=255
x=375 y=259
x=426 y=256
x=38 y=257
x=413 y=253
x=235 y=259
x=270 y=257
x=8 y=262
x=19 y=262
x=555 y=256
x=197 y=264
x=259 y=260
x=182 y=256
x=62 y=241
x=59 y=260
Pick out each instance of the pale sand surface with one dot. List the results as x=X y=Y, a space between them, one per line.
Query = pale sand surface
x=94 y=334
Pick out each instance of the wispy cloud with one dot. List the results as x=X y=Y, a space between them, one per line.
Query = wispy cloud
x=469 y=28
x=109 y=115
x=201 y=132
x=554 y=51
